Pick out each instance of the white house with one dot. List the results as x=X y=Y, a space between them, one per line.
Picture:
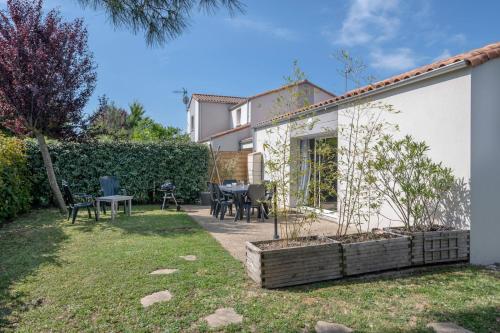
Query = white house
x=454 y=106
x=227 y=121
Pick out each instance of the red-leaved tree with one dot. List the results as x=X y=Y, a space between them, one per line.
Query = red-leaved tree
x=47 y=75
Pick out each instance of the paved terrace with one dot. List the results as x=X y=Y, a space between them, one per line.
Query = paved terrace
x=233 y=235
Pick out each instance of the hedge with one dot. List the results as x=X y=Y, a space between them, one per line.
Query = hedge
x=15 y=195
x=140 y=167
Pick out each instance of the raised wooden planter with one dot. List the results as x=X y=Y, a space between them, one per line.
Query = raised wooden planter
x=432 y=247
x=376 y=255
x=293 y=265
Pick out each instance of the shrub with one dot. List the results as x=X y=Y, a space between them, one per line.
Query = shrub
x=140 y=167
x=413 y=185
x=14 y=178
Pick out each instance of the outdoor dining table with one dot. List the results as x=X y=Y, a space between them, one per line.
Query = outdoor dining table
x=237 y=192
x=114 y=200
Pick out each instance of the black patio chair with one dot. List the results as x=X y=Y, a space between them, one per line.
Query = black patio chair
x=223 y=202
x=256 y=197
x=82 y=201
x=110 y=185
x=213 y=198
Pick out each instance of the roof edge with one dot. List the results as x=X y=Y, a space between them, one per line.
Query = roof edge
x=348 y=97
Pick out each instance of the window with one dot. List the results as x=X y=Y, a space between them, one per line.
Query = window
x=238 y=117
x=192 y=124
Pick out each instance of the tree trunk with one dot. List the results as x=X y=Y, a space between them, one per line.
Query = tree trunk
x=50 y=172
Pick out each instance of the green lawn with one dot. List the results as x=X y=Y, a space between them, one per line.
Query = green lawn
x=90 y=276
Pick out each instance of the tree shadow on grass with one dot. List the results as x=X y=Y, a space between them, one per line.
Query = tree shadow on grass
x=26 y=244
x=477 y=319
x=425 y=272
x=145 y=220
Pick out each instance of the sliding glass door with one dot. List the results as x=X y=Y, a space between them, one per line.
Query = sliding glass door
x=319 y=155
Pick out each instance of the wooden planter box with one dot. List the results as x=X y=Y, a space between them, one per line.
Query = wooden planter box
x=376 y=255
x=432 y=247
x=293 y=265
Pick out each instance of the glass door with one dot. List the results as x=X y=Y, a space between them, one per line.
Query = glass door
x=322 y=181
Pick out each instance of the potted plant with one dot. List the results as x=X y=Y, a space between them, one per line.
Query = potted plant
x=297 y=257
x=421 y=193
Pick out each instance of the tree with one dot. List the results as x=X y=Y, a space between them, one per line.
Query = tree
x=413 y=185
x=112 y=123
x=285 y=163
x=108 y=122
x=161 y=20
x=47 y=75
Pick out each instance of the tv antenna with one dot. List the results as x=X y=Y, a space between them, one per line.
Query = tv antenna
x=185 y=97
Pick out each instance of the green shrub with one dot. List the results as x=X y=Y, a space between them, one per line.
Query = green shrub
x=14 y=178
x=140 y=167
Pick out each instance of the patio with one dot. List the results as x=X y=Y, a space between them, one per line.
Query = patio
x=233 y=235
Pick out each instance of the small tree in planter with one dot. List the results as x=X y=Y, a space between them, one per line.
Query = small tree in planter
x=362 y=124
x=284 y=162
x=298 y=257
x=415 y=187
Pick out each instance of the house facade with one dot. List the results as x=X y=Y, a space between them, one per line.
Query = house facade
x=454 y=106
x=227 y=122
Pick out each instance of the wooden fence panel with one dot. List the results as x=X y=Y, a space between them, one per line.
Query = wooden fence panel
x=231 y=165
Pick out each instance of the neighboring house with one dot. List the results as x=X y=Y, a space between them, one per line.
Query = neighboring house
x=454 y=106
x=227 y=121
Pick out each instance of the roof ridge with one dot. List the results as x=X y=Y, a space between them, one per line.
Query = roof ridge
x=280 y=88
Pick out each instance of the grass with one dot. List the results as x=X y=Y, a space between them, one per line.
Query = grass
x=90 y=276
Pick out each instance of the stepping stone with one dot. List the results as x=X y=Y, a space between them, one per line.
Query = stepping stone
x=223 y=317
x=447 y=327
x=326 y=327
x=164 y=271
x=161 y=296
x=189 y=257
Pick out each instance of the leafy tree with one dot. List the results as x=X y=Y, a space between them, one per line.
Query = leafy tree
x=412 y=183
x=112 y=123
x=47 y=75
x=108 y=122
x=147 y=130
x=160 y=20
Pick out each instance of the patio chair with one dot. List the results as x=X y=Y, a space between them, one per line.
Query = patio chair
x=213 y=198
x=256 y=197
x=228 y=181
x=85 y=201
x=110 y=185
x=223 y=202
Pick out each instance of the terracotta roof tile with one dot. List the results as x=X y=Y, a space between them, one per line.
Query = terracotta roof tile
x=472 y=58
x=218 y=99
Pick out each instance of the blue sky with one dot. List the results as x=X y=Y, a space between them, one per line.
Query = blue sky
x=250 y=53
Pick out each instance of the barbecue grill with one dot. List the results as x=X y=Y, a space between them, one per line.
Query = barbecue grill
x=168 y=189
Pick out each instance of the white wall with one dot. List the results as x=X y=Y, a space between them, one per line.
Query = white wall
x=437 y=111
x=244 y=115
x=193 y=112
x=485 y=157
x=214 y=118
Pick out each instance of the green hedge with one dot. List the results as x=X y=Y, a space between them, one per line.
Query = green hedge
x=15 y=195
x=140 y=167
